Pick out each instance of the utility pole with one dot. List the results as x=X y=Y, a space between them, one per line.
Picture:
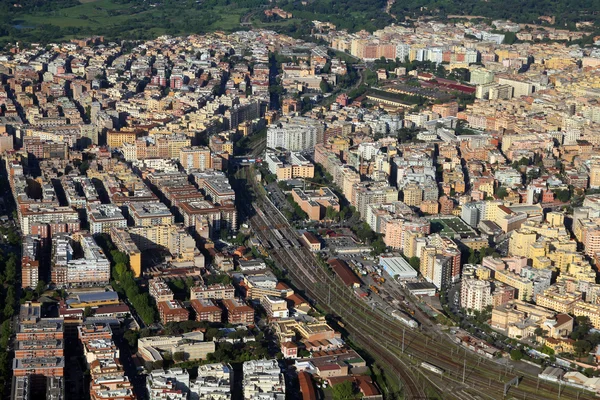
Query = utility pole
x=464 y=369
x=559 y=387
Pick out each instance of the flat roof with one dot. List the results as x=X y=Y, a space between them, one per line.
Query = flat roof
x=420 y=286
x=97 y=296
x=397 y=266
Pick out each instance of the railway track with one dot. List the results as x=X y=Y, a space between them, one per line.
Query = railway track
x=398 y=347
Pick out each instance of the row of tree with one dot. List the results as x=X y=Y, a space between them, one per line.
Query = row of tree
x=124 y=283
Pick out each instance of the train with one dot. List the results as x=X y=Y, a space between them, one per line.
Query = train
x=432 y=368
x=405 y=319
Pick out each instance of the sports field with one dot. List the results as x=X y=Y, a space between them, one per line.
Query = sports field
x=451 y=226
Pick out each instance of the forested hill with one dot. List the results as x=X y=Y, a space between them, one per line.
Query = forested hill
x=525 y=11
x=51 y=20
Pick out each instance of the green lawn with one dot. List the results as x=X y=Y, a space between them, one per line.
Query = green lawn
x=137 y=20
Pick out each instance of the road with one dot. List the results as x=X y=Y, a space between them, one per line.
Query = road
x=400 y=349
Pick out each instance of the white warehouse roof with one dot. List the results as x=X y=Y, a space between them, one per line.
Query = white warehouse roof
x=397 y=266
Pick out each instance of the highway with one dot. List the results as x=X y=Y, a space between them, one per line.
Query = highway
x=400 y=349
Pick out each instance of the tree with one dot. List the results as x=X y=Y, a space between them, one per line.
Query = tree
x=583 y=326
x=539 y=331
x=88 y=312
x=40 y=287
x=582 y=347
x=118 y=270
x=179 y=356
x=330 y=213
x=132 y=338
x=343 y=391
x=516 y=354
x=563 y=195
x=415 y=262
x=501 y=192
x=473 y=257
x=325 y=86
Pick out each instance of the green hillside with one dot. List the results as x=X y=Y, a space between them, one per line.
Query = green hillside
x=50 y=20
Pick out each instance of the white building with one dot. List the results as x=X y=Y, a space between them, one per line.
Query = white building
x=91 y=268
x=295 y=134
x=475 y=294
x=397 y=267
x=172 y=384
x=102 y=217
x=213 y=382
x=263 y=380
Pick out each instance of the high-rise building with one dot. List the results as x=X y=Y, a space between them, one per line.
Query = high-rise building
x=295 y=134
x=475 y=294
x=413 y=195
x=30 y=263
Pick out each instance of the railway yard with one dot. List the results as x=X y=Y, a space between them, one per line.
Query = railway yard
x=401 y=351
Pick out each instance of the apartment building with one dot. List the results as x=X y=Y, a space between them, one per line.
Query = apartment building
x=214 y=292
x=102 y=217
x=263 y=378
x=124 y=243
x=152 y=214
x=212 y=383
x=39 y=350
x=275 y=307
x=475 y=295
x=173 y=384
x=238 y=312
x=77 y=261
x=172 y=311
x=560 y=302
x=195 y=158
x=215 y=217
x=30 y=263
x=206 y=310
x=592 y=311
x=159 y=290
x=215 y=186
x=39 y=214
x=315 y=203
x=298 y=167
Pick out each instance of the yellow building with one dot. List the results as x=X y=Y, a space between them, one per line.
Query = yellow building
x=122 y=240
x=559 y=302
x=413 y=195
x=595 y=174
x=410 y=243
x=177 y=143
x=592 y=311
x=520 y=243
x=427 y=261
x=556 y=219
x=559 y=63
x=429 y=207
x=523 y=285
x=116 y=139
